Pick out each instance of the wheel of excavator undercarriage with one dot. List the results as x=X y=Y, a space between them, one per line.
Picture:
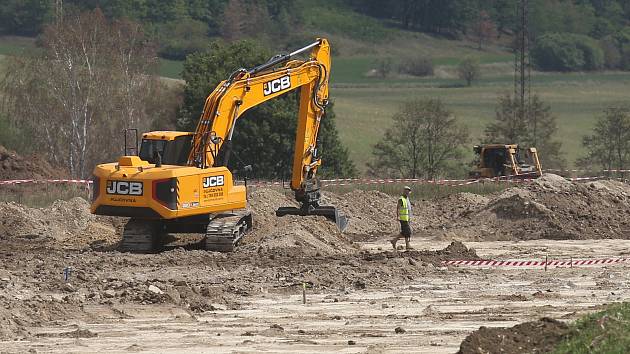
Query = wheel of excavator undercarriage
x=142 y=236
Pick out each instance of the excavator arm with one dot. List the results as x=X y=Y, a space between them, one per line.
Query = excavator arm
x=244 y=89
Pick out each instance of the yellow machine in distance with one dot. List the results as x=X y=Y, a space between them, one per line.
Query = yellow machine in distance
x=495 y=160
x=179 y=182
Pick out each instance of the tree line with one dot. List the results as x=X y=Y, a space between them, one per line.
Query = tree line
x=566 y=34
x=179 y=27
x=95 y=77
x=596 y=18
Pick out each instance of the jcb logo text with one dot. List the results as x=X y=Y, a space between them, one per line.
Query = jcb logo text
x=213 y=181
x=124 y=188
x=276 y=85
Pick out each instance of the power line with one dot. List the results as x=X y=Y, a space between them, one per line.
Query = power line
x=522 y=66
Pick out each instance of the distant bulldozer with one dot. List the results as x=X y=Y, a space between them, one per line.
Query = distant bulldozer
x=495 y=160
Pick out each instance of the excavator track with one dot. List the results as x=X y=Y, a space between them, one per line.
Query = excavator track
x=225 y=230
x=141 y=236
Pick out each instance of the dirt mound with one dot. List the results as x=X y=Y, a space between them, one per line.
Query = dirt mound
x=554 y=183
x=517 y=206
x=369 y=212
x=292 y=234
x=455 y=251
x=550 y=208
x=374 y=213
x=531 y=337
x=14 y=166
x=65 y=223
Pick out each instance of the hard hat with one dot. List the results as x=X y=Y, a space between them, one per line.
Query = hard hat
x=407 y=188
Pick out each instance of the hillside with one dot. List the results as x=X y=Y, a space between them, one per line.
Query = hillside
x=363 y=39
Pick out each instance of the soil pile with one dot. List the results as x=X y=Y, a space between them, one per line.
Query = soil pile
x=68 y=224
x=14 y=166
x=369 y=212
x=455 y=251
x=531 y=337
x=292 y=234
x=551 y=208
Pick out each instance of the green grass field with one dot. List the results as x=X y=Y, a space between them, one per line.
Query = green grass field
x=11 y=45
x=171 y=68
x=364 y=111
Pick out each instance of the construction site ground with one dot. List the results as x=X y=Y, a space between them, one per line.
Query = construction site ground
x=361 y=296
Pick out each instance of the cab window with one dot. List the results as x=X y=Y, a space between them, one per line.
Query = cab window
x=173 y=152
x=149 y=150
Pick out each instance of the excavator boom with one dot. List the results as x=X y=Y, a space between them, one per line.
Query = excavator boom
x=245 y=89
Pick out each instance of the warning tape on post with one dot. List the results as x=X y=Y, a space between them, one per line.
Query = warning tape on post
x=45 y=181
x=536 y=263
x=367 y=181
x=587 y=171
x=342 y=181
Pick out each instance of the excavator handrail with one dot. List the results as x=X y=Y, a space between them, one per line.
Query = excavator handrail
x=281 y=58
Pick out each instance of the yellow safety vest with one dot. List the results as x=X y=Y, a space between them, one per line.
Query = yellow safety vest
x=404 y=210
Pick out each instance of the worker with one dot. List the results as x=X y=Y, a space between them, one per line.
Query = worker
x=404 y=214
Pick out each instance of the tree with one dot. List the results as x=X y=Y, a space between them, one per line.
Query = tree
x=484 y=29
x=536 y=127
x=383 y=67
x=89 y=82
x=468 y=70
x=609 y=145
x=424 y=140
x=417 y=66
x=265 y=134
x=567 y=52
x=23 y=17
x=233 y=26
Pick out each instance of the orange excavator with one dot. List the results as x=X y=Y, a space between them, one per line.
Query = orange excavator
x=180 y=183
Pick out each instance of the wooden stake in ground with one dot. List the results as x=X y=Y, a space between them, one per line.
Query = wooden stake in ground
x=304 y=293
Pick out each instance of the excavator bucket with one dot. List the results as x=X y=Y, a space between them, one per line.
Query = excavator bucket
x=330 y=212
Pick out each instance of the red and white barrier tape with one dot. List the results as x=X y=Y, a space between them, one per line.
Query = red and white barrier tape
x=534 y=263
x=444 y=182
x=606 y=170
x=366 y=181
x=343 y=181
x=23 y=181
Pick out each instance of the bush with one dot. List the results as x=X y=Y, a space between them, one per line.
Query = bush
x=567 y=52
x=593 y=54
x=625 y=58
x=383 y=67
x=612 y=55
x=623 y=43
x=469 y=70
x=416 y=66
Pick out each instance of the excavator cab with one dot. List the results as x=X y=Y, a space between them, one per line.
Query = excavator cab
x=168 y=148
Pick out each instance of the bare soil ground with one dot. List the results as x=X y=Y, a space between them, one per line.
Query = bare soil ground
x=361 y=295
x=15 y=166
